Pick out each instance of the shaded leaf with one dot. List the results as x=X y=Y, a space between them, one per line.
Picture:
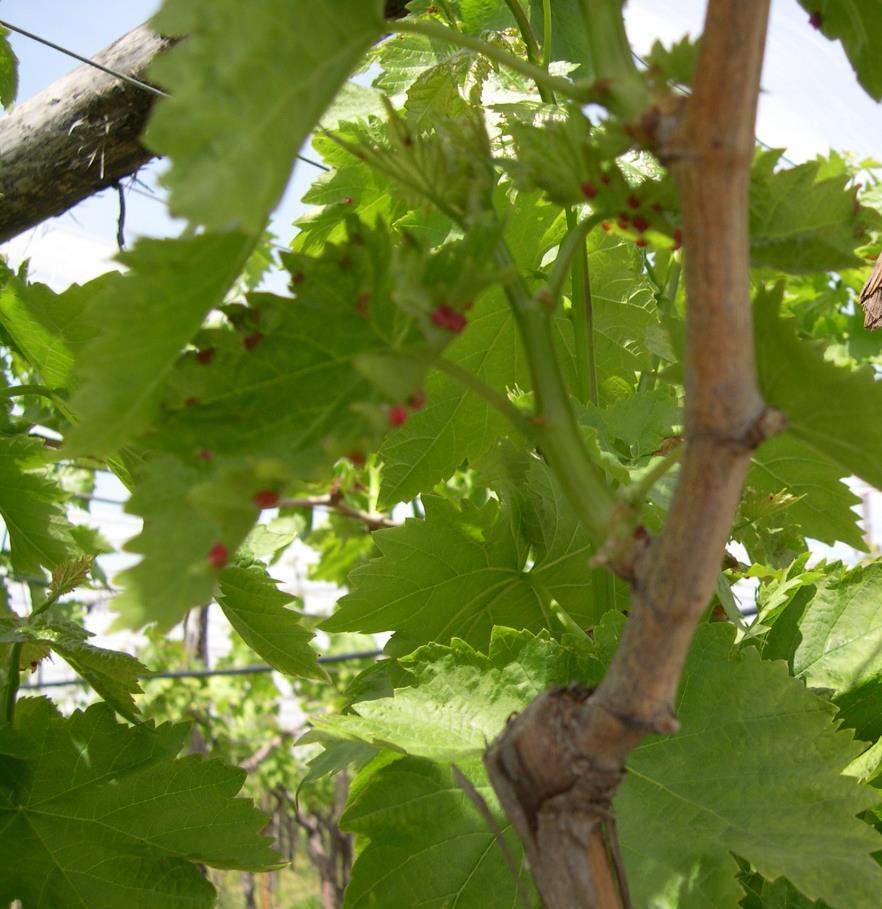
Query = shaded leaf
x=426 y=844
x=830 y=408
x=801 y=221
x=858 y=25
x=822 y=506
x=101 y=815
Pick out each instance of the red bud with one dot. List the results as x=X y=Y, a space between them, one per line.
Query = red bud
x=816 y=20
x=251 y=341
x=266 y=498
x=218 y=555
x=206 y=355
x=640 y=223
x=397 y=415
x=633 y=202
x=589 y=190
x=417 y=400
x=447 y=317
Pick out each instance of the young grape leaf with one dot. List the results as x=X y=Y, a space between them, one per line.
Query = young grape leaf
x=97 y=814
x=679 y=816
x=144 y=318
x=858 y=25
x=257 y=609
x=459 y=699
x=426 y=843
x=832 y=639
x=801 y=221
x=233 y=131
x=39 y=533
x=830 y=408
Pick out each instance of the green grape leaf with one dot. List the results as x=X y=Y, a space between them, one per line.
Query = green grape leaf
x=8 y=71
x=832 y=409
x=858 y=25
x=101 y=815
x=426 y=843
x=823 y=506
x=257 y=609
x=832 y=638
x=188 y=516
x=459 y=699
x=49 y=328
x=460 y=571
x=39 y=533
x=144 y=319
x=404 y=58
x=233 y=131
x=801 y=221
x=679 y=816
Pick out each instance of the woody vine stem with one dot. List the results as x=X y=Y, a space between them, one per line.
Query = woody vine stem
x=557 y=766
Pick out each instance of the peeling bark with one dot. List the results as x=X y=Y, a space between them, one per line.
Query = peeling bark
x=557 y=765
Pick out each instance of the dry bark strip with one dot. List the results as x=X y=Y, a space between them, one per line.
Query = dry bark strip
x=81 y=134
x=557 y=765
x=76 y=137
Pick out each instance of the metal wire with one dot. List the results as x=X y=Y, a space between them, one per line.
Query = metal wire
x=146 y=86
x=209 y=673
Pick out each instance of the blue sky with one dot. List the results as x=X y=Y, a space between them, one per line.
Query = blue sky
x=810 y=103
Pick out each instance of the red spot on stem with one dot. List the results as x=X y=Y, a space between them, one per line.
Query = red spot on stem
x=251 y=341
x=205 y=356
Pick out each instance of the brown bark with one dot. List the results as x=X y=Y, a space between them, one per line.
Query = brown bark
x=557 y=766
x=81 y=134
